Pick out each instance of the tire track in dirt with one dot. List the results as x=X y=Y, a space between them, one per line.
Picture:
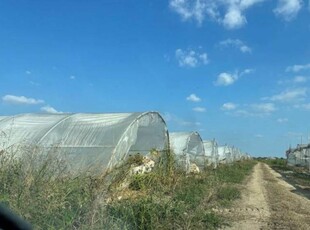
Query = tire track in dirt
x=267 y=202
x=252 y=211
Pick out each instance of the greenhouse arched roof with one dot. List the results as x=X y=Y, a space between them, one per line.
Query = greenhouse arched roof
x=104 y=139
x=189 y=146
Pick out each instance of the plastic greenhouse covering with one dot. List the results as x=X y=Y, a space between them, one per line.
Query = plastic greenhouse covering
x=188 y=147
x=211 y=152
x=230 y=154
x=225 y=154
x=88 y=140
x=236 y=154
x=300 y=156
x=243 y=155
x=221 y=153
x=291 y=158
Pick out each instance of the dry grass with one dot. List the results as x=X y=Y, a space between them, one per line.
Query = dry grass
x=40 y=188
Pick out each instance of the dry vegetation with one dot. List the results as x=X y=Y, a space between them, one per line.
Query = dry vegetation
x=39 y=188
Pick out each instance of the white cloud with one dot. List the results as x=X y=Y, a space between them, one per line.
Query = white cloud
x=303 y=106
x=28 y=72
x=288 y=9
x=229 y=106
x=234 y=18
x=193 y=98
x=297 y=68
x=169 y=117
x=191 y=58
x=199 y=109
x=259 y=136
x=49 y=109
x=72 y=77
x=300 y=79
x=21 y=100
x=295 y=80
x=264 y=107
x=204 y=58
x=245 y=49
x=225 y=79
x=282 y=120
x=196 y=9
x=246 y=71
x=289 y=95
x=242 y=113
x=253 y=110
x=229 y=13
x=236 y=43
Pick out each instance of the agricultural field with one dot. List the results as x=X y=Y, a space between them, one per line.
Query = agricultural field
x=146 y=115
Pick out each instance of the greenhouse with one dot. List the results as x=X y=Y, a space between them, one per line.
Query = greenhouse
x=291 y=158
x=188 y=148
x=99 y=141
x=237 y=155
x=221 y=154
x=211 y=152
x=299 y=156
x=230 y=154
x=225 y=154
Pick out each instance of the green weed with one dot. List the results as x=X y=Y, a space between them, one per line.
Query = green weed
x=41 y=189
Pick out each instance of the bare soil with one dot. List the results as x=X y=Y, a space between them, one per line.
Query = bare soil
x=268 y=202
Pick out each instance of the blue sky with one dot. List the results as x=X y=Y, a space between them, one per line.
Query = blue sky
x=234 y=70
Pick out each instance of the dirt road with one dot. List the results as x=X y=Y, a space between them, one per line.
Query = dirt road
x=268 y=203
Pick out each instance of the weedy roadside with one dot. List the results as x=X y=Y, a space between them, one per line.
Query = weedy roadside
x=40 y=189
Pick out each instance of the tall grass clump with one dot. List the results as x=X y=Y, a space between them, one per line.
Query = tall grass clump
x=40 y=187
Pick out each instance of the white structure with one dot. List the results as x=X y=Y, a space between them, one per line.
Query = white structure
x=229 y=154
x=225 y=154
x=211 y=152
x=237 y=154
x=300 y=156
x=188 y=148
x=88 y=141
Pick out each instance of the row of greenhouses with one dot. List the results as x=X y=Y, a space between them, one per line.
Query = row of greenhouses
x=299 y=156
x=103 y=141
x=189 y=148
